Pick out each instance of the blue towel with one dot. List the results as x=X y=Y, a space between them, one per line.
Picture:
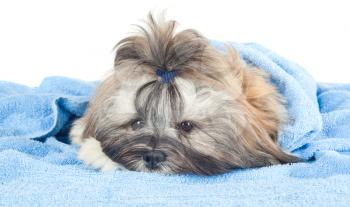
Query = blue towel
x=38 y=169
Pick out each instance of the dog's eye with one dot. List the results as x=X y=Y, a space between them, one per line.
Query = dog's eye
x=137 y=124
x=186 y=126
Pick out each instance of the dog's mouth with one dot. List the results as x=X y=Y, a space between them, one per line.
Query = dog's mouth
x=151 y=166
x=153 y=161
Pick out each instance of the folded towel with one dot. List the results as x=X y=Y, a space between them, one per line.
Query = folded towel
x=38 y=169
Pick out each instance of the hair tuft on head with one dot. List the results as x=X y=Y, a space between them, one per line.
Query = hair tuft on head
x=157 y=45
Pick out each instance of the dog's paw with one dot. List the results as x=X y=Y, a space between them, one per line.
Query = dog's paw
x=91 y=153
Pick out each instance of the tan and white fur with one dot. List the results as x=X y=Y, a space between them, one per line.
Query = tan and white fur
x=216 y=115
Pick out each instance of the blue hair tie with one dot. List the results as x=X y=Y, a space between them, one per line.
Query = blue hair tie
x=166 y=76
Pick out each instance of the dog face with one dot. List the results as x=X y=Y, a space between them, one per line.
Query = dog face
x=215 y=115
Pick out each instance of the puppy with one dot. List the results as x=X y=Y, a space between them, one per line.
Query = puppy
x=175 y=104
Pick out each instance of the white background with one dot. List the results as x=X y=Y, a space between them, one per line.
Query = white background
x=76 y=38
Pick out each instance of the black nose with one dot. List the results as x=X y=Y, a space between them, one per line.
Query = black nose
x=152 y=159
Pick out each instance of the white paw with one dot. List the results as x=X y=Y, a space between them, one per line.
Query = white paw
x=91 y=151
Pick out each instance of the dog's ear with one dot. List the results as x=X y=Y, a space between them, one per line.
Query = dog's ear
x=259 y=95
x=265 y=103
x=262 y=147
x=265 y=110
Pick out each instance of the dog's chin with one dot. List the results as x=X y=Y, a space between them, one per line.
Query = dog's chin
x=163 y=168
x=139 y=165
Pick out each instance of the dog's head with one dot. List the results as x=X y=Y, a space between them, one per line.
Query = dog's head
x=175 y=104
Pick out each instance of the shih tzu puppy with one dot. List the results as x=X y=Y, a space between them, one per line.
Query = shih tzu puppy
x=175 y=104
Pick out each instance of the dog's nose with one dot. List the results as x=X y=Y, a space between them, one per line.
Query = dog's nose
x=152 y=159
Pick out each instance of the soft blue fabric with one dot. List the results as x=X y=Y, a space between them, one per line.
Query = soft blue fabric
x=47 y=172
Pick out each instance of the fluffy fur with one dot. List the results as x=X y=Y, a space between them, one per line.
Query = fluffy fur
x=234 y=111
